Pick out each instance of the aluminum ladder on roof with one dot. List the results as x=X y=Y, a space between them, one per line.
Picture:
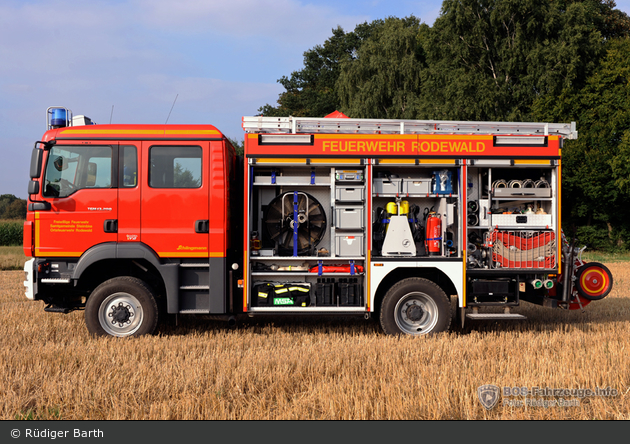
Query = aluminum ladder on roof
x=314 y=125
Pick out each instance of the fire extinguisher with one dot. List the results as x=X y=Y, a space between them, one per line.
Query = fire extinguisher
x=433 y=237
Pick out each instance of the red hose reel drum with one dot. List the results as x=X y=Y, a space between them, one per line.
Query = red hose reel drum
x=593 y=281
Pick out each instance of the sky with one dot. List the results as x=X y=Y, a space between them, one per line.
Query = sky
x=129 y=61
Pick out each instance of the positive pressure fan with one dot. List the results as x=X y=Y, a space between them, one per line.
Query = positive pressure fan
x=288 y=210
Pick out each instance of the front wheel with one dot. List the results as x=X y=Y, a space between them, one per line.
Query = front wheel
x=122 y=306
x=415 y=306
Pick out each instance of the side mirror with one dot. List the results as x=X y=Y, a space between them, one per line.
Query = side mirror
x=33 y=187
x=36 y=163
x=39 y=206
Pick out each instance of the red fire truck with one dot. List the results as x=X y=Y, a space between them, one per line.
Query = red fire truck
x=419 y=223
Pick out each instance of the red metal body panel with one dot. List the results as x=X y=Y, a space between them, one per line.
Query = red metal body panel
x=137 y=132
x=219 y=204
x=403 y=145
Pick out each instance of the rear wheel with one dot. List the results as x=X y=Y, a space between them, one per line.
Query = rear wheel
x=415 y=306
x=122 y=306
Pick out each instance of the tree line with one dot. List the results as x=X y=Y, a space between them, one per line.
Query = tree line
x=12 y=207
x=495 y=60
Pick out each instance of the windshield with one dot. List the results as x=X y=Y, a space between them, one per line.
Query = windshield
x=72 y=168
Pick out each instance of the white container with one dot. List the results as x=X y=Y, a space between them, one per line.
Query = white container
x=521 y=220
x=522 y=192
x=387 y=186
x=349 y=217
x=417 y=186
x=350 y=194
x=349 y=244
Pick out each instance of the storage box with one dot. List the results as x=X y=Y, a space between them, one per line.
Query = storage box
x=417 y=186
x=485 y=287
x=522 y=192
x=349 y=175
x=388 y=186
x=520 y=220
x=349 y=217
x=349 y=244
x=350 y=194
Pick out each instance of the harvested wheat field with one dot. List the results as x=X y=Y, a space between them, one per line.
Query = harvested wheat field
x=50 y=368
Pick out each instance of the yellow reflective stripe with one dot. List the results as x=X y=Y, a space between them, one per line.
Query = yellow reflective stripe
x=190 y=254
x=302 y=289
x=191 y=132
x=140 y=132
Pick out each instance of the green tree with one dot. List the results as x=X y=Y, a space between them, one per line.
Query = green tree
x=15 y=210
x=239 y=146
x=310 y=92
x=596 y=175
x=490 y=59
x=12 y=207
x=383 y=79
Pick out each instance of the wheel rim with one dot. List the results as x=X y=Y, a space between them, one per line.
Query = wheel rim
x=416 y=313
x=120 y=314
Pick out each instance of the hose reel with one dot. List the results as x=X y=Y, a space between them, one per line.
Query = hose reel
x=296 y=223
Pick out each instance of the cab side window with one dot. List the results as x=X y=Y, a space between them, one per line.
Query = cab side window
x=72 y=168
x=175 y=167
x=128 y=166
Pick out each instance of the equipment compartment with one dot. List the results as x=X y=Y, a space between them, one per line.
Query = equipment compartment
x=274 y=294
x=428 y=193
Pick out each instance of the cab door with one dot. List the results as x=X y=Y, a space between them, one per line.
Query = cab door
x=80 y=185
x=129 y=192
x=174 y=198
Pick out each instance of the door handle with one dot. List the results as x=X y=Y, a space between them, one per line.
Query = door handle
x=110 y=226
x=202 y=226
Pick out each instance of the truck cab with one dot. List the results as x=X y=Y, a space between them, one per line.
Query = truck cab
x=126 y=207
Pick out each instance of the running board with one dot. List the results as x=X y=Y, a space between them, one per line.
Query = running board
x=506 y=316
x=55 y=280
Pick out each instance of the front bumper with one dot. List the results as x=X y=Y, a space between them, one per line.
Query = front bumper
x=29 y=283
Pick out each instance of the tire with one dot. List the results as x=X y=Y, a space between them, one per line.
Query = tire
x=415 y=306
x=593 y=281
x=121 y=307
